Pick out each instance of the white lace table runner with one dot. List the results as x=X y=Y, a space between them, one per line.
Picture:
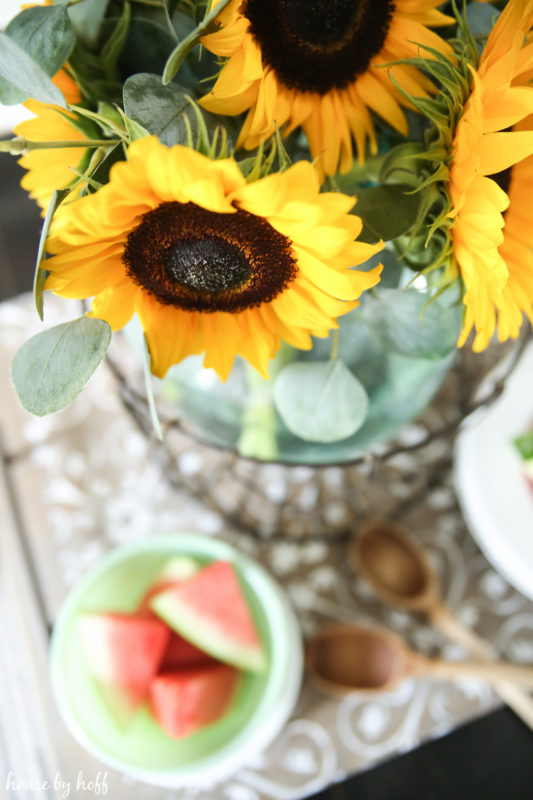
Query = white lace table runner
x=84 y=482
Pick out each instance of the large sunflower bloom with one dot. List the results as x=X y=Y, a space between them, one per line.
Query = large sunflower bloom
x=490 y=182
x=51 y=169
x=321 y=67
x=208 y=262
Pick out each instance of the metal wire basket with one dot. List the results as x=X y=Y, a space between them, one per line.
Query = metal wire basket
x=276 y=500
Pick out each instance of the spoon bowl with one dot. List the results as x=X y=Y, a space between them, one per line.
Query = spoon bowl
x=397 y=569
x=342 y=658
x=399 y=572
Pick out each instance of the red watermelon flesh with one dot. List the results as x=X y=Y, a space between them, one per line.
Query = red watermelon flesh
x=210 y=610
x=189 y=699
x=124 y=651
x=181 y=653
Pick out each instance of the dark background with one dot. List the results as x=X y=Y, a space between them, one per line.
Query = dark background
x=489 y=759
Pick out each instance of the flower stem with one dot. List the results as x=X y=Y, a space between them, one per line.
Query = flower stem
x=19 y=146
x=335 y=345
x=258 y=438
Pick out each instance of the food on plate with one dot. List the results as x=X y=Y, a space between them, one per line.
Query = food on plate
x=180 y=653
x=123 y=653
x=524 y=447
x=187 y=700
x=173 y=571
x=210 y=610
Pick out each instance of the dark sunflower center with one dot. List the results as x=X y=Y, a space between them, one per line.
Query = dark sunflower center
x=319 y=45
x=322 y=24
x=198 y=260
x=207 y=265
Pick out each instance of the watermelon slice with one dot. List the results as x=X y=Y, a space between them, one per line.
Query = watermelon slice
x=123 y=653
x=187 y=700
x=210 y=610
x=174 y=571
x=180 y=654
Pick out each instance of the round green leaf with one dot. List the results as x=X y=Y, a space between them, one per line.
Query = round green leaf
x=18 y=71
x=50 y=369
x=162 y=109
x=47 y=37
x=408 y=322
x=320 y=401
x=387 y=211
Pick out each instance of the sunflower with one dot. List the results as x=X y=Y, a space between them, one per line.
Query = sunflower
x=208 y=262
x=48 y=170
x=491 y=183
x=321 y=68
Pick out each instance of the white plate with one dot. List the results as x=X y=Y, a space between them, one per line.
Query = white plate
x=495 y=499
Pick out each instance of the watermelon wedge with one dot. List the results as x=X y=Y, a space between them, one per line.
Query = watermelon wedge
x=210 y=610
x=187 y=700
x=123 y=653
x=181 y=654
x=174 y=571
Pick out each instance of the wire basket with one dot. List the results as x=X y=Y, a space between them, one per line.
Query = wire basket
x=276 y=500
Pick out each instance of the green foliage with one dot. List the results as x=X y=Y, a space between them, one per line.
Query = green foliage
x=50 y=369
x=100 y=174
x=183 y=48
x=481 y=18
x=34 y=46
x=320 y=401
x=87 y=18
x=387 y=211
x=113 y=47
x=136 y=57
x=524 y=445
x=168 y=112
x=405 y=321
x=40 y=273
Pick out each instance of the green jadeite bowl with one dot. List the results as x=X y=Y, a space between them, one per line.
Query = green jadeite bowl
x=260 y=709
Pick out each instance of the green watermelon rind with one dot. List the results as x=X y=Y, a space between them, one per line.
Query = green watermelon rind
x=178 y=568
x=205 y=635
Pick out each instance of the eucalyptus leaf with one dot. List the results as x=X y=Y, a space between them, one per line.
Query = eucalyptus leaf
x=46 y=35
x=20 y=71
x=387 y=211
x=87 y=18
x=50 y=369
x=136 y=57
x=405 y=321
x=161 y=109
x=320 y=401
x=481 y=18
x=357 y=348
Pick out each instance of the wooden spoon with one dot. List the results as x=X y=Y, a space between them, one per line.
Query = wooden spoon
x=399 y=572
x=344 y=658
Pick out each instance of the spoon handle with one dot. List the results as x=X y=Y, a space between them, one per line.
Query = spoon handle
x=494 y=672
x=515 y=697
